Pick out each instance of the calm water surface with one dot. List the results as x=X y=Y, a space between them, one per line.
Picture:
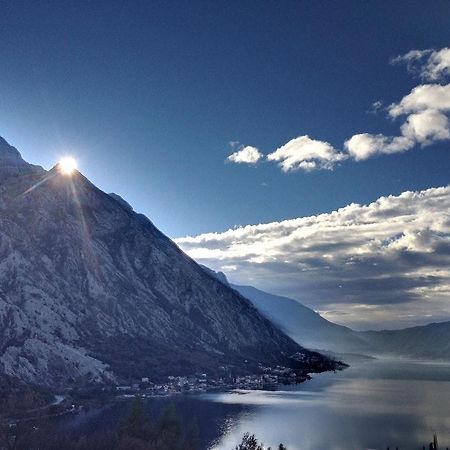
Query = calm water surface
x=371 y=405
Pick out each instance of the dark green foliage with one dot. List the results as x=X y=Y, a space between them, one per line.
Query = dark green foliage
x=168 y=431
x=193 y=436
x=137 y=425
x=137 y=414
x=17 y=397
x=249 y=442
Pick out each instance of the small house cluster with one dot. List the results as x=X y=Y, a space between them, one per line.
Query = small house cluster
x=268 y=378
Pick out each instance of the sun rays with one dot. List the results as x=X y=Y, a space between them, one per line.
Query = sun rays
x=67 y=165
x=62 y=178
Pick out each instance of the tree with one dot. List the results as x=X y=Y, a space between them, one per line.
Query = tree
x=192 y=441
x=137 y=424
x=249 y=442
x=168 y=430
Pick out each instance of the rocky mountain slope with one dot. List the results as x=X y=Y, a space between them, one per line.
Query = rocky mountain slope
x=90 y=290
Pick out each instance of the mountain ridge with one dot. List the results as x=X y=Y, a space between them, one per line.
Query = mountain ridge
x=84 y=279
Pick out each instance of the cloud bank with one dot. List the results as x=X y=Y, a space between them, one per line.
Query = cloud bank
x=424 y=114
x=386 y=264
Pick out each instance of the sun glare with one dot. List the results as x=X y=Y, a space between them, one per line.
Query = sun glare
x=67 y=165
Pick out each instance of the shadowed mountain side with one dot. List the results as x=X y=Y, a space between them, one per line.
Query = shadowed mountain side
x=311 y=330
x=302 y=323
x=298 y=321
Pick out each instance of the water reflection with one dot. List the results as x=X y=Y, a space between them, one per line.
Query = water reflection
x=215 y=419
x=372 y=405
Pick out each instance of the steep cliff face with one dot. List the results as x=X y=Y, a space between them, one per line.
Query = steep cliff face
x=91 y=290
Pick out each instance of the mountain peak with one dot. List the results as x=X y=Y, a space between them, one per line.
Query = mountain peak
x=84 y=279
x=8 y=153
x=11 y=161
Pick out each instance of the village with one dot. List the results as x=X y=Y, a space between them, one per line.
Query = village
x=268 y=379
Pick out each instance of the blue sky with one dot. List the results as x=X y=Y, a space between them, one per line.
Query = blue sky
x=222 y=120
x=148 y=95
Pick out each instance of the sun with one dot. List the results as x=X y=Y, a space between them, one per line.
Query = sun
x=67 y=165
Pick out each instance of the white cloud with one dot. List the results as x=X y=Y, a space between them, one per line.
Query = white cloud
x=306 y=154
x=425 y=108
x=427 y=126
x=363 y=146
x=424 y=128
x=246 y=155
x=392 y=255
x=428 y=64
x=424 y=113
x=421 y=98
x=376 y=107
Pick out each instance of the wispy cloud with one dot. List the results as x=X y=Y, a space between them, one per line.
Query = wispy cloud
x=362 y=263
x=429 y=64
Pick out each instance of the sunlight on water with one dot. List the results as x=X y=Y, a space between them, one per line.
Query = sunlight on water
x=263 y=398
x=370 y=406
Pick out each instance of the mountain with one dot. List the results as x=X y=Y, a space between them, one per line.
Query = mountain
x=310 y=329
x=298 y=321
x=303 y=324
x=92 y=291
x=430 y=341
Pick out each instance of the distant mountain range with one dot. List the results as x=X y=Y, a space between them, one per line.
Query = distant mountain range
x=310 y=329
x=92 y=291
x=430 y=341
x=302 y=323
